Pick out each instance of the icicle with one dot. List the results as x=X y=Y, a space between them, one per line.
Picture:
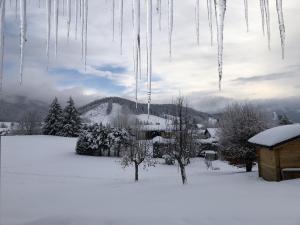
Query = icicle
x=209 y=13
x=220 y=8
x=48 y=28
x=267 y=12
x=170 y=16
x=25 y=2
x=262 y=11
x=80 y=5
x=197 y=18
x=56 y=7
x=63 y=7
x=113 y=19
x=158 y=10
x=137 y=44
x=132 y=12
x=281 y=25
x=22 y=35
x=121 y=25
x=82 y=28
x=86 y=3
x=149 y=50
x=246 y=14
x=76 y=18
x=69 y=17
x=16 y=9
x=2 y=25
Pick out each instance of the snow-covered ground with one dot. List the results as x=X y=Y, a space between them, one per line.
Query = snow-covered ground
x=45 y=183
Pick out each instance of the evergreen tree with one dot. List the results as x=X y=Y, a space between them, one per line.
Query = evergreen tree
x=71 y=121
x=53 y=121
x=284 y=120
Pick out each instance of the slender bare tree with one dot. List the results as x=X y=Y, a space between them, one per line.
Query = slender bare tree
x=181 y=145
x=30 y=124
x=138 y=151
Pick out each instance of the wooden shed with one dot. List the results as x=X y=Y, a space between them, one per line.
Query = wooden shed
x=278 y=152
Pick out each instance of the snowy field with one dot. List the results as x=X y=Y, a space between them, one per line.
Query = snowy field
x=45 y=183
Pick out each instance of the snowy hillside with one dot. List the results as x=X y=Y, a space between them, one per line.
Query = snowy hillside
x=45 y=183
x=105 y=114
x=160 y=110
x=100 y=113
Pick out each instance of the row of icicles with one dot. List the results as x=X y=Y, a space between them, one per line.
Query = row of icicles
x=215 y=8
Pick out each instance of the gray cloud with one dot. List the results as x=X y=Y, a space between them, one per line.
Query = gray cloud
x=268 y=77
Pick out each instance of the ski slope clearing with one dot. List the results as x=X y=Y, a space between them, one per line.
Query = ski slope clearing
x=45 y=183
x=100 y=115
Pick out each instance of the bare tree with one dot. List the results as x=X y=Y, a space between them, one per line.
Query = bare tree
x=29 y=124
x=182 y=144
x=238 y=123
x=138 y=151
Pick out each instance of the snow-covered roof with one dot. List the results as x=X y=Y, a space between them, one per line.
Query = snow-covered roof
x=207 y=141
x=213 y=132
x=199 y=125
x=161 y=140
x=209 y=152
x=276 y=135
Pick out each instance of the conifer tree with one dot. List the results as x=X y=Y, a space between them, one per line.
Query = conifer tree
x=71 y=121
x=53 y=121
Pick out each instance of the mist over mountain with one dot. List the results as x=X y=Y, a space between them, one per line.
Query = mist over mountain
x=12 y=108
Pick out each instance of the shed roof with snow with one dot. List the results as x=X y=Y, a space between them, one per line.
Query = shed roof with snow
x=276 y=135
x=278 y=152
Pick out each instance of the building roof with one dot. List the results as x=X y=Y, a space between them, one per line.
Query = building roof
x=161 y=140
x=213 y=132
x=276 y=135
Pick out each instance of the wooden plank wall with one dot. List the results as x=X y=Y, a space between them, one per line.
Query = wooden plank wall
x=290 y=154
x=272 y=161
x=267 y=164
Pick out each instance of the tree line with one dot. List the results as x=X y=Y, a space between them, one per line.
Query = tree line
x=66 y=122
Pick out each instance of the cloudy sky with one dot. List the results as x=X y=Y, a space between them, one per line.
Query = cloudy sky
x=251 y=71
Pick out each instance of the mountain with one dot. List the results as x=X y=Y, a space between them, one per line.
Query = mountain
x=13 y=108
x=104 y=110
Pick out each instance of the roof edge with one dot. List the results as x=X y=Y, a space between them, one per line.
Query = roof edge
x=277 y=144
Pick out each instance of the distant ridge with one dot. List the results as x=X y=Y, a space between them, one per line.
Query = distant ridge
x=156 y=109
